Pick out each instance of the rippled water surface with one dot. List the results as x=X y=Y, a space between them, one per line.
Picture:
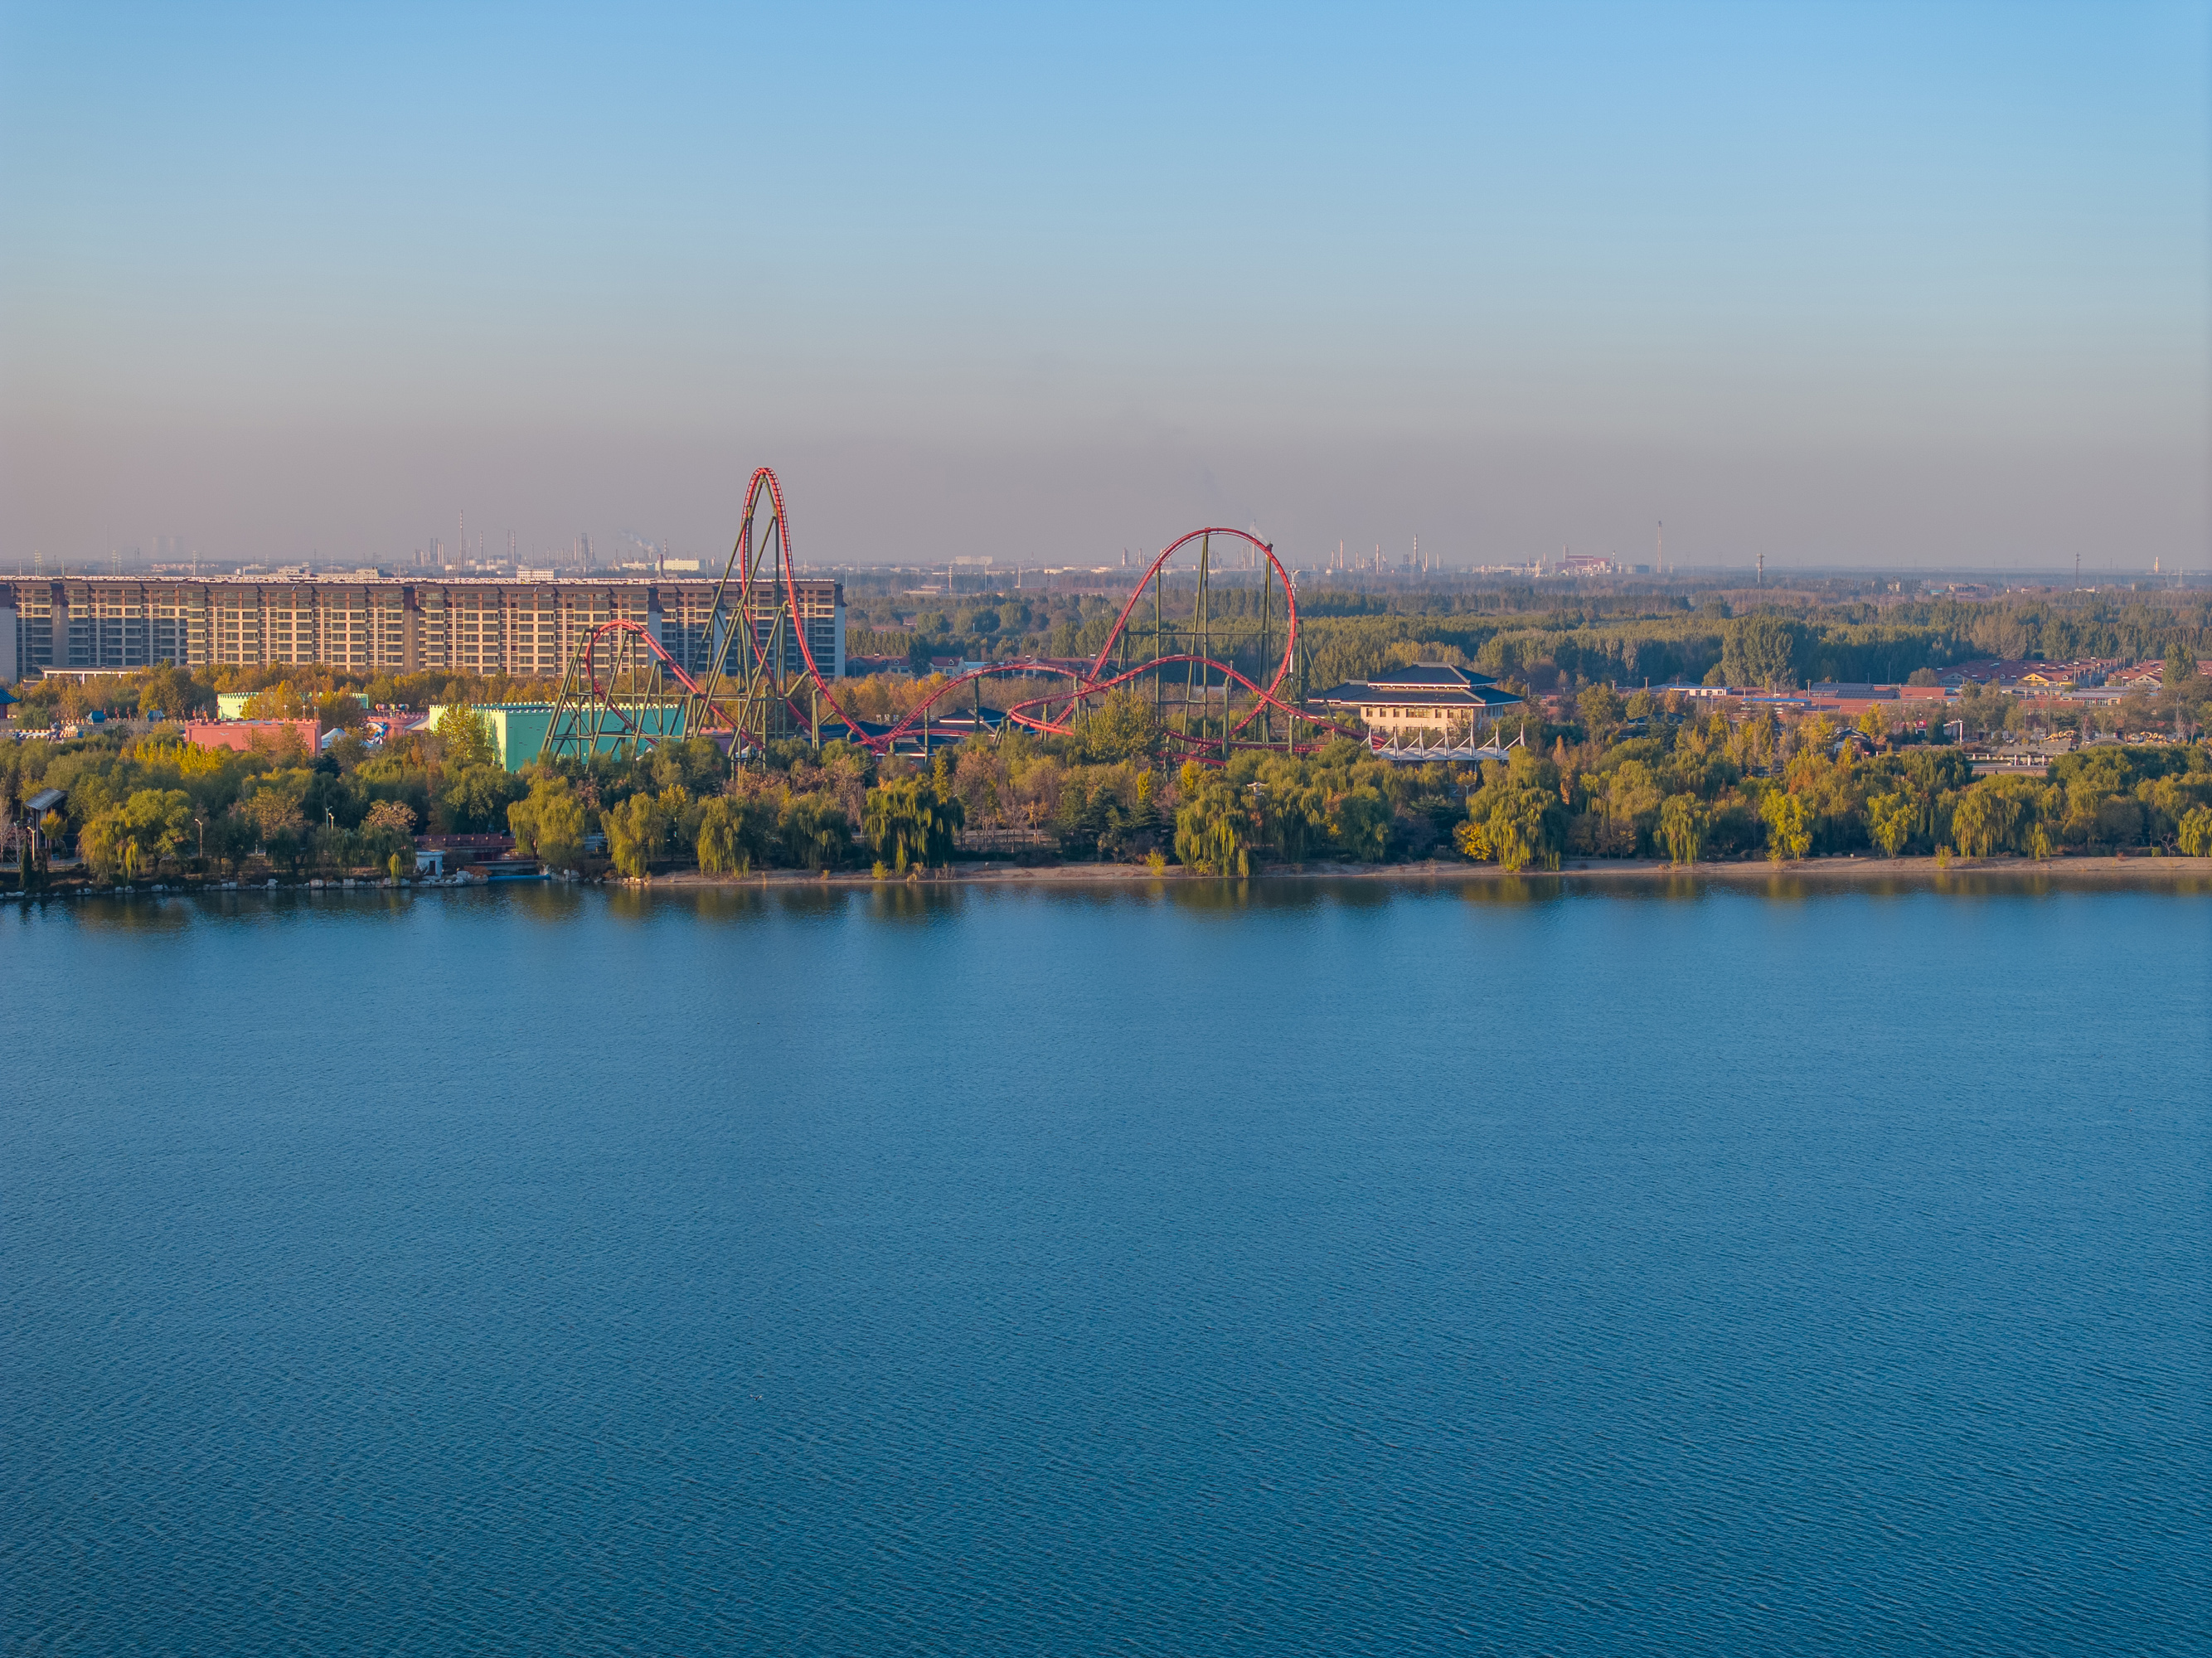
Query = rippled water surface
x=1302 y=1269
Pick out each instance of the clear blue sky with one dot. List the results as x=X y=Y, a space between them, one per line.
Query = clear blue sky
x=1851 y=284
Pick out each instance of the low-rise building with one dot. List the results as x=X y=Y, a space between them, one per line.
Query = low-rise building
x=1856 y=691
x=2149 y=676
x=243 y=735
x=518 y=729
x=2033 y=676
x=1426 y=696
x=864 y=667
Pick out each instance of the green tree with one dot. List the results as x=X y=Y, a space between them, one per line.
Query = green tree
x=1760 y=650
x=696 y=764
x=282 y=700
x=1123 y=726
x=1891 y=819
x=1599 y=707
x=331 y=846
x=815 y=831
x=1984 y=709
x=549 y=825
x=100 y=842
x=381 y=838
x=730 y=832
x=1631 y=805
x=637 y=833
x=1294 y=811
x=2195 y=836
x=1519 y=824
x=908 y=821
x=175 y=694
x=340 y=711
x=475 y=799
x=464 y=739
x=2180 y=675
x=1213 y=828
x=231 y=837
x=1789 y=826
x=158 y=821
x=1360 y=819
x=272 y=813
x=1984 y=821
x=2118 y=821
x=1682 y=822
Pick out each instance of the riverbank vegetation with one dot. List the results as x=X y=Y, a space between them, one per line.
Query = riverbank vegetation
x=142 y=805
x=1595 y=771
x=1631 y=777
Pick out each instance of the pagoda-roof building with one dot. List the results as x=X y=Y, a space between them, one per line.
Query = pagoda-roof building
x=1420 y=696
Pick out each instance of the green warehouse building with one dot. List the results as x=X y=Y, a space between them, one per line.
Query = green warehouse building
x=518 y=729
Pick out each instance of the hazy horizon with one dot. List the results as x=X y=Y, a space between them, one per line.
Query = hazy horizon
x=1840 y=286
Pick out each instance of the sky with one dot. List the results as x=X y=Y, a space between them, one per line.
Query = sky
x=1901 y=286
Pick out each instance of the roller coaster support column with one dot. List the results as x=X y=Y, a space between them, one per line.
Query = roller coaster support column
x=1159 y=632
x=1266 y=714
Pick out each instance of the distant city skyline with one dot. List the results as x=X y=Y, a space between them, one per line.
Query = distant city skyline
x=1858 y=285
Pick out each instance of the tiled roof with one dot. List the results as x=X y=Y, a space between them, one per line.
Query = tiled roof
x=1369 y=692
x=1438 y=674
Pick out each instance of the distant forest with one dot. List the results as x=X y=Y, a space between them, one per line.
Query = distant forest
x=1547 y=644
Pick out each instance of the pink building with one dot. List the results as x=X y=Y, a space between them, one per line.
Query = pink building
x=241 y=734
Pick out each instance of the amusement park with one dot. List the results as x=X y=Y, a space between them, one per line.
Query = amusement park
x=1208 y=637
x=1198 y=706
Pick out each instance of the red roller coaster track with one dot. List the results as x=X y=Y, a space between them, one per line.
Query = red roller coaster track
x=640 y=673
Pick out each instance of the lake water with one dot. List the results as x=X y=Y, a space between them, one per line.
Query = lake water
x=1299 y=1268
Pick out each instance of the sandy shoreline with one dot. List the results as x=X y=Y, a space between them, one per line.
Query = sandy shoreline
x=2140 y=869
x=2168 y=874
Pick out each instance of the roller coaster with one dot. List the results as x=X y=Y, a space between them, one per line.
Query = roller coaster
x=1225 y=674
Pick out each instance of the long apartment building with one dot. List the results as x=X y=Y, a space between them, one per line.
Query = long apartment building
x=381 y=625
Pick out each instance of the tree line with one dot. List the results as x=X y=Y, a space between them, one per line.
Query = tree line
x=1629 y=776
x=1538 y=640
